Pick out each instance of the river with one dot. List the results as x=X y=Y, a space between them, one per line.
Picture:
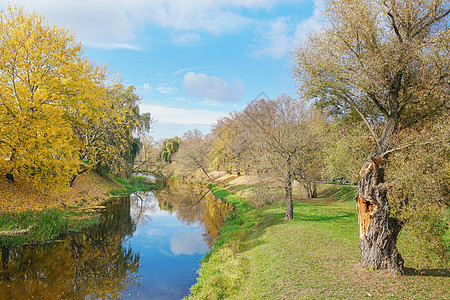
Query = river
x=148 y=246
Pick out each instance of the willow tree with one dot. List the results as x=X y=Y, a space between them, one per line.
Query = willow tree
x=388 y=61
x=109 y=133
x=169 y=148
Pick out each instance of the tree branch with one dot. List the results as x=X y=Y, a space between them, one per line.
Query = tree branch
x=412 y=145
x=346 y=99
x=394 y=26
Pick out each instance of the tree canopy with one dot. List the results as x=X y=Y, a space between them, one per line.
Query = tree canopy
x=56 y=108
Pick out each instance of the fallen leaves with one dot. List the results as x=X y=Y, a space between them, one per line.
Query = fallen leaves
x=89 y=190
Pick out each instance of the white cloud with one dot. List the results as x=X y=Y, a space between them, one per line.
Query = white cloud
x=100 y=23
x=113 y=23
x=282 y=36
x=163 y=89
x=182 y=71
x=278 y=40
x=180 y=116
x=188 y=243
x=212 y=87
x=185 y=38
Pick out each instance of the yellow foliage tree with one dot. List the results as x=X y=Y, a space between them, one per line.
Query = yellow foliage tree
x=44 y=80
x=110 y=135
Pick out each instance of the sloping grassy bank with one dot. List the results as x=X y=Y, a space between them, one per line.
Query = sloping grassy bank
x=223 y=268
x=262 y=256
x=43 y=221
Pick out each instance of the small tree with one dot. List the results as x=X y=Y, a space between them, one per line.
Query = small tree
x=280 y=131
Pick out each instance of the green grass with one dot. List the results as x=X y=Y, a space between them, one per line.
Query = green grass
x=222 y=269
x=262 y=256
x=43 y=226
x=133 y=184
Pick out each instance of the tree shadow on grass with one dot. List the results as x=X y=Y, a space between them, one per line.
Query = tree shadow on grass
x=253 y=239
x=274 y=218
x=319 y=218
x=427 y=272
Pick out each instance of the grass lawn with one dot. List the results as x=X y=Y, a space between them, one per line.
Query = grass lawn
x=315 y=256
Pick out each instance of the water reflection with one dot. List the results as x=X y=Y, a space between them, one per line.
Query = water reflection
x=149 y=245
x=93 y=263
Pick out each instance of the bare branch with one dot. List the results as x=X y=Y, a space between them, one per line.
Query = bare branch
x=413 y=145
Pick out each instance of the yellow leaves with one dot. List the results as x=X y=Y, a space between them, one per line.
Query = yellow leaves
x=55 y=108
x=40 y=82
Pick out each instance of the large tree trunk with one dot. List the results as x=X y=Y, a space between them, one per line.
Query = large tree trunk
x=377 y=231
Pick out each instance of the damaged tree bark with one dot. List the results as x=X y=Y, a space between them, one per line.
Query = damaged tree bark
x=377 y=230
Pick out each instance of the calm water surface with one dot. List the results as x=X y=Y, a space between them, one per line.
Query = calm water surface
x=149 y=246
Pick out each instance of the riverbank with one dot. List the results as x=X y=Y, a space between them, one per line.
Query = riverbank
x=89 y=189
x=262 y=256
x=28 y=215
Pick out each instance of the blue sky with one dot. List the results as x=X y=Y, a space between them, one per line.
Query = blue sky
x=191 y=61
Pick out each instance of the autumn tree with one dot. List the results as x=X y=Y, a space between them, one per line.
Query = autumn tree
x=193 y=153
x=56 y=108
x=42 y=75
x=230 y=148
x=388 y=62
x=281 y=131
x=110 y=134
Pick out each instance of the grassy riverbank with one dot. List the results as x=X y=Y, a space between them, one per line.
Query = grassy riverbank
x=42 y=226
x=262 y=256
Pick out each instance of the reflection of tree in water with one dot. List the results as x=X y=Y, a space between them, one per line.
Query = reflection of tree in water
x=193 y=204
x=91 y=264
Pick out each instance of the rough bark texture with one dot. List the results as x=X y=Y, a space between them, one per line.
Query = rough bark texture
x=377 y=231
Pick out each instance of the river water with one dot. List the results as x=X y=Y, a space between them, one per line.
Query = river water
x=148 y=246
